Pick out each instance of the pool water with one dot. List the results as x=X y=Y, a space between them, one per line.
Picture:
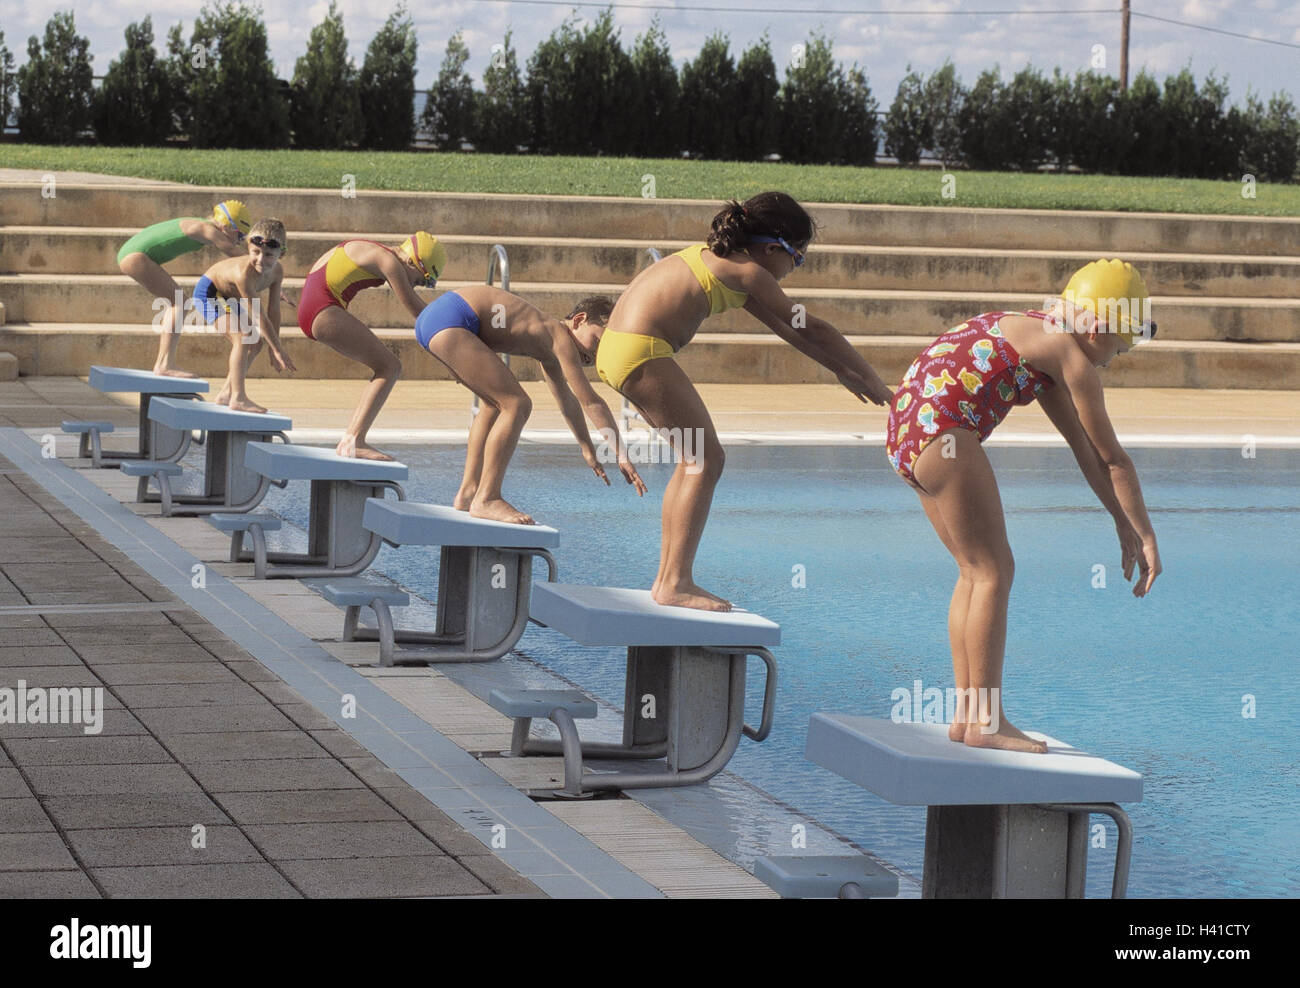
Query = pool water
x=1163 y=685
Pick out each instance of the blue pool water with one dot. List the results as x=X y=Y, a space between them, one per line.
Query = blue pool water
x=1154 y=684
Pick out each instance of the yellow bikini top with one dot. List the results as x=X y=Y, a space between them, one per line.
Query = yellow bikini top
x=344 y=277
x=721 y=298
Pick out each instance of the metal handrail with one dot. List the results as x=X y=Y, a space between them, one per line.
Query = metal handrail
x=627 y=413
x=498 y=261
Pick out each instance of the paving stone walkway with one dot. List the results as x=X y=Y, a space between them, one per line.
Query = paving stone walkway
x=210 y=776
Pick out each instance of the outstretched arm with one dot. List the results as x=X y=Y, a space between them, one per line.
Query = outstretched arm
x=1084 y=392
x=270 y=325
x=394 y=272
x=813 y=337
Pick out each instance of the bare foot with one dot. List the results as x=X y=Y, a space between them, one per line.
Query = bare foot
x=689 y=595
x=244 y=405
x=173 y=372
x=464 y=498
x=1006 y=738
x=957 y=729
x=361 y=451
x=500 y=510
x=223 y=396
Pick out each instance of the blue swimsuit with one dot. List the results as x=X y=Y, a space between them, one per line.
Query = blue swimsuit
x=444 y=312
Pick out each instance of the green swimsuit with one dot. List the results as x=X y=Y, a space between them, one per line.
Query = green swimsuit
x=161 y=242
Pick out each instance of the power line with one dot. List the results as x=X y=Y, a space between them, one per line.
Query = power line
x=803 y=12
x=1216 y=30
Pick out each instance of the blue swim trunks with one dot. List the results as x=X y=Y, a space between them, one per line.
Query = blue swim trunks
x=208 y=303
x=444 y=312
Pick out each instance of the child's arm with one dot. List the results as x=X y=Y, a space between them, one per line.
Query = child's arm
x=208 y=232
x=559 y=378
x=815 y=338
x=576 y=389
x=1083 y=392
x=394 y=272
x=270 y=326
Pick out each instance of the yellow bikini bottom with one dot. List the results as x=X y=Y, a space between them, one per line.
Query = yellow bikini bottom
x=619 y=354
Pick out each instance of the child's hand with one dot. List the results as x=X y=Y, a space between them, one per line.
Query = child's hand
x=1135 y=552
x=631 y=476
x=1148 y=568
x=281 y=362
x=871 y=389
x=589 y=455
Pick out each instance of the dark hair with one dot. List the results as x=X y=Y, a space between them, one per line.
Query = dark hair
x=596 y=307
x=768 y=214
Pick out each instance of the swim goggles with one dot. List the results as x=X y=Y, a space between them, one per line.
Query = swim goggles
x=266 y=243
x=798 y=255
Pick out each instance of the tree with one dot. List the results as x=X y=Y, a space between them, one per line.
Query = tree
x=501 y=116
x=180 y=68
x=944 y=98
x=1140 y=147
x=1271 y=146
x=907 y=125
x=7 y=82
x=758 y=109
x=388 y=85
x=709 y=91
x=828 y=113
x=55 y=97
x=324 y=94
x=577 y=86
x=980 y=145
x=134 y=104
x=655 y=96
x=449 y=113
x=236 y=100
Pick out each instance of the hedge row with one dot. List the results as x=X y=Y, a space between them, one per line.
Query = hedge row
x=582 y=92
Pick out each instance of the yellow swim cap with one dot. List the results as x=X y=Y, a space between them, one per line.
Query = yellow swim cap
x=429 y=256
x=1116 y=294
x=233 y=213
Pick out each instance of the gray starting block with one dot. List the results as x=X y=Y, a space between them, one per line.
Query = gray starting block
x=999 y=824
x=816 y=876
x=89 y=432
x=256 y=525
x=485 y=578
x=160 y=472
x=337 y=545
x=560 y=707
x=354 y=593
x=684 y=698
x=157 y=441
x=228 y=484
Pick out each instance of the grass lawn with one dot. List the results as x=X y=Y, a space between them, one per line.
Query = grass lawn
x=673 y=178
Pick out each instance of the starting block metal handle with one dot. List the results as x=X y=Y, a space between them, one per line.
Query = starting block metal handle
x=1123 y=847
x=769 y=689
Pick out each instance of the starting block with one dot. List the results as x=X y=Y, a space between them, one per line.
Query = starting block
x=999 y=824
x=685 y=666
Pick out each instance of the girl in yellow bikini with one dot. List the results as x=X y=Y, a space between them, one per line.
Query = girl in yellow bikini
x=751 y=247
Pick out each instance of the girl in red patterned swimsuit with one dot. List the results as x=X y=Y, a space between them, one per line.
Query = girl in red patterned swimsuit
x=957 y=391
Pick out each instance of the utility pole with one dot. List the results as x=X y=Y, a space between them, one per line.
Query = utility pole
x=1123 y=49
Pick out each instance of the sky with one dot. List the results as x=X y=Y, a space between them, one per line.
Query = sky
x=883 y=36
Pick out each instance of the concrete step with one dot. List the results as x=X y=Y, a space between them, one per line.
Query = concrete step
x=38 y=298
x=92 y=250
x=726 y=358
x=657 y=220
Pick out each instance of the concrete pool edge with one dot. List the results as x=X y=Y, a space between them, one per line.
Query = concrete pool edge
x=382 y=725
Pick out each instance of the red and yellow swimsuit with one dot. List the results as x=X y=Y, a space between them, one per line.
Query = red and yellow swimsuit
x=335 y=282
x=969 y=378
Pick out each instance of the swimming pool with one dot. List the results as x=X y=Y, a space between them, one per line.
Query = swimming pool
x=1159 y=684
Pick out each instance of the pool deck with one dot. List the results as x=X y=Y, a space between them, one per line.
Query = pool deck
x=225 y=703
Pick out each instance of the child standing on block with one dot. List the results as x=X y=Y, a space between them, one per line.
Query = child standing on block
x=956 y=392
x=751 y=247
x=226 y=297
x=467 y=330
x=143 y=256
x=323 y=315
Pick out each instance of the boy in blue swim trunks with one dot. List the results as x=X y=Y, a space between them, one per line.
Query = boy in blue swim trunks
x=226 y=297
x=467 y=330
